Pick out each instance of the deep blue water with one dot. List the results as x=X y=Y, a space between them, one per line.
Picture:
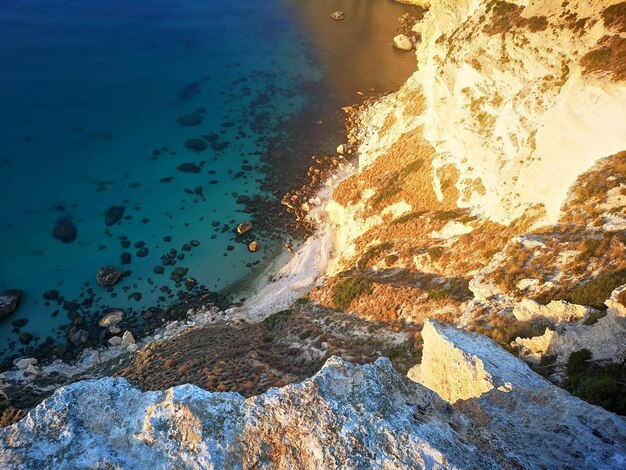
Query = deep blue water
x=90 y=94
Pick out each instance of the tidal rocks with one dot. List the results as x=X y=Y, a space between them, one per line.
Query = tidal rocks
x=244 y=227
x=188 y=167
x=402 y=42
x=113 y=215
x=338 y=15
x=9 y=301
x=113 y=317
x=190 y=120
x=108 y=276
x=253 y=246
x=65 y=230
x=198 y=145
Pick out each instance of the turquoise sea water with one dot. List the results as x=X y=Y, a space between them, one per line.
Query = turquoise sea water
x=91 y=93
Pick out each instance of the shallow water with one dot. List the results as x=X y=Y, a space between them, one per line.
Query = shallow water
x=90 y=94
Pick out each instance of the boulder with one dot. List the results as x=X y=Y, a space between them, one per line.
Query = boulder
x=402 y=42
x=253 y=246
x=79 y=337
x=197 y=145
x=65 y=231
x=115 y=340
x=108 y=276
x=25 y=362
x=188 y=167
x=113 y=317
x=113 y=215
x=244 y=227
x=127 y=340
x=190 y=120
x=9 y=301
x=338 y=15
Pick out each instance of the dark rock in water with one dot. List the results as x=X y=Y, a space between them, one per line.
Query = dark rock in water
x=210 y=137
x=158 y=269
x=140 y=244
x=51 y=294
x=219 y=146
x=65 y=231
x=25 y=338
x=142 y=252
x=113 y=215
x=243 y=199
x=9 y=300
x=186 y=247
x=167 y=179
x=19 y=323
x=190 y=120
x=125 y=243
x=125 y=258
x=167 y=238
x=194 y=243
x=79 y=337
x=196 y=144
x=181 y=271
x=188 y=168
x=230 y=248
x=108 y=276
x=189 y=91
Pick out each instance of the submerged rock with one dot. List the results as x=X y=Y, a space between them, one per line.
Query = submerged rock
x=188 y=168
x=196 y=144
x=108 y=276
x=65 y=231
x=190 y=120
x=113 y=215
x=9 y=301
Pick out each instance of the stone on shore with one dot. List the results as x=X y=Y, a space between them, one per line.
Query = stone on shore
x=127 y=340
x=111 y=318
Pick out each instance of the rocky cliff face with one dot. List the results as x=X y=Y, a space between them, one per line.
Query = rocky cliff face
x=346 y=416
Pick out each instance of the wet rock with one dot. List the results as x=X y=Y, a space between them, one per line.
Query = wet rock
x=113 y=317
x=338 y=15
x=244 y=227
x=190 y=120
x=402 y=42
x=115 y=341
x=65 y=231
x=19 y=323
x=158 y=269
x=9 y=301
x=194 y=243
x=254 y=246
x=198 y=145
x=243 y=199
x=108 y=276
x=125 y=258
x=142 y=252
x=79 y=337
x=113 y=215
x=188 y=168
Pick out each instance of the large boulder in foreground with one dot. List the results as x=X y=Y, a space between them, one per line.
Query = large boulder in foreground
x=9 y=300
x=345 y=416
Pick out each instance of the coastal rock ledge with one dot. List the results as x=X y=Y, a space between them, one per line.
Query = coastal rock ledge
x=502 y=415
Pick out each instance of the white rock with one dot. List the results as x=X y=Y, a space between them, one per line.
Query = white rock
x=25 y=362
x=132 y=347
x=115 y=341
x=401 y=41
x=558 y=311
x=127 y=339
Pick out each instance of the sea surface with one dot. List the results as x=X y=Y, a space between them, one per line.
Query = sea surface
x=98 y=101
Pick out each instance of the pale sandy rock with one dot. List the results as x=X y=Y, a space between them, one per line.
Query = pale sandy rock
x=127 y=339
x=541 y=425
x=606 y=339
x=402 y=42
x=112 y=318
x=115 y=341
x=25 y=362
x=557 y=311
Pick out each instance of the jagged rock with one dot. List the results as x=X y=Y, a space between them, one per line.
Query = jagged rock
x=557 y=311
x=539 y=424
x=9 y=301
x=606 y=338
x=338 y=15
x=108 y=276
x=111 y=318
x=345 y=416
x=402 y=42
x=127 y=340
x=254 y=246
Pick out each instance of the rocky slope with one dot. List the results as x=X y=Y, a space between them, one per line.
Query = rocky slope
x=346 y=416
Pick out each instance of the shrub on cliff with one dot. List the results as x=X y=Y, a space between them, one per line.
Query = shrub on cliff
x=597 y=290
x=348 y=289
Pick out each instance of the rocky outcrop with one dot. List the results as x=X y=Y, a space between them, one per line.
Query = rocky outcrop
x=346 y=416
x=605 y=338
x=540 y=424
